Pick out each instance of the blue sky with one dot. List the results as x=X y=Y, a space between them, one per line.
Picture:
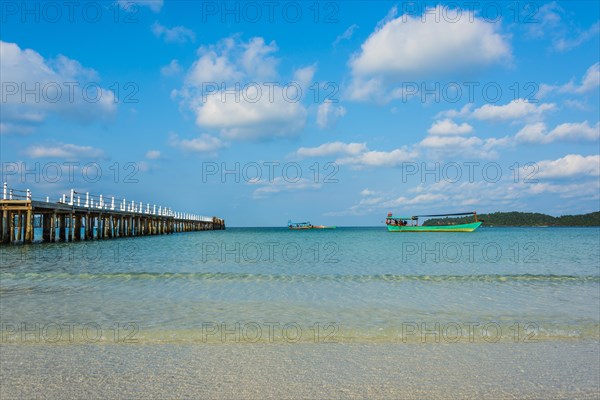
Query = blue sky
x=333 y=112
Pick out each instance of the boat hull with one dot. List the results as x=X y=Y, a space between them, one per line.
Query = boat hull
x=301 y=228
x=445 y=228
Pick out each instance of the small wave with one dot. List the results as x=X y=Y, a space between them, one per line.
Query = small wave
x=250 y=277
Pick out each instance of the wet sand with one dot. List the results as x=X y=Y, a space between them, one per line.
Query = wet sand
x=548 y=370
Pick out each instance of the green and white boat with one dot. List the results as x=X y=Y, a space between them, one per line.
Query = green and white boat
x=411 y=224
x=306 y=225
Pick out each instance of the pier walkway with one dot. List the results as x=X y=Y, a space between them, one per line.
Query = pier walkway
x=83 y=216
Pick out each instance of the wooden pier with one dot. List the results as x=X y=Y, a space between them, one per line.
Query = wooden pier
x=82 y=216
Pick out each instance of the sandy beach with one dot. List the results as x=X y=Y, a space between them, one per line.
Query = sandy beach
x=548 y=370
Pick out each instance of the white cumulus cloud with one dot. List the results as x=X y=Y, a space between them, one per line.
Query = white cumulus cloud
x=358 y=154
x=153 y=154
x=332 y=148
x=63 y=151
x=59 y=86
x=408 y=47
x=328 y=114
x=205 y=144
x=176 y=34
x=304 y=75
x=346 y=35
x=233 y=88
x=449 y=127
x=516 y=109
x=245 y=119
x=590 y=81
x=379 y=158
x=473 y=146
x=173 y=68
x=538 y=132
x=569 y=166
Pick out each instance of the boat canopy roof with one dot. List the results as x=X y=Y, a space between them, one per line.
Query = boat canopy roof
x=413 y=217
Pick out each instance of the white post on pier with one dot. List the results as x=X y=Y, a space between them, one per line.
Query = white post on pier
x=141 y=209
x=101 y=205
x=87 y=199
x=132 y=206
x=64 y=198
x=78 y=201
x=112 y=203
x=72 y=195
x=154 y=209
x=4 y=191
x=123 y=205
x=47 y=199
x=159 y=210
x=28 y=194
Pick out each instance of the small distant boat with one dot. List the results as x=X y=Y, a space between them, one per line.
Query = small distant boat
x=411 y=224
x=307 y=225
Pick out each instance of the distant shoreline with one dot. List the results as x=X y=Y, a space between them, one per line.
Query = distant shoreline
x=523 y=219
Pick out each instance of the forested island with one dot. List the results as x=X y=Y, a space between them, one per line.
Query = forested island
x=516 y=218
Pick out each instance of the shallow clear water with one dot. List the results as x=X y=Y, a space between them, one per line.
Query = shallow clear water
x=349 y=284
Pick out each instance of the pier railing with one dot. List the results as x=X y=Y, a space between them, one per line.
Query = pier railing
x=97 y=216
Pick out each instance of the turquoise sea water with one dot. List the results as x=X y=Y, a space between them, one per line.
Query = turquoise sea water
x=270 y=284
